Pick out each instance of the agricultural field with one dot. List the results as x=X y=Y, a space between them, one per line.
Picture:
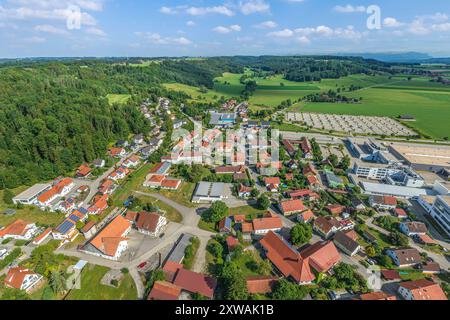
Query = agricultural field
x=118 y=98
x=428 y=102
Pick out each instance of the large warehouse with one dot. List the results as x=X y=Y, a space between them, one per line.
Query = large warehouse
x=422 y=157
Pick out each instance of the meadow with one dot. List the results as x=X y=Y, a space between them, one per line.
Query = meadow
x=118 y=98
x=428 y=102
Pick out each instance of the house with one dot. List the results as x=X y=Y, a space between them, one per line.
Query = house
x=42 y=237
x=132 y=162
x=303 y=194
x=413 y=228
x=232 y=242
x=21 y=278
x=377 y=296
x=150 y=223
x=161 y=181
x=117 y=152
x=83 y=171
x=66 y=205
x=290 y=207
x=272 y=184
x=89 y=229
x=300 y=267
x=29 y=196
x=306 y=216
x=405 y=257
x=244 y=191
x=100 y=205
x=261 y=284
x=346 y=244
x=161 y=168
x=237 y=177
x=138 y=139
x=122 y=143
x=264 y=225
x=289 y=147
x=119 y=174
x=190 y=281
x=19 y=230
x=421 y=290
x=170 y=184
x=67 y=230
x=425 y=239
x=326 y=227
x=335 y=209
x=400 y=213
x=107 y=187
x=99 y=163
x=229 y=169
x=59 y=189
x=390 y=275
x=383 y=202
x=225 y=225
x=313 y=182
x=358 y=204
x=431 y=268
x=166 y=291
x=309 y=170
x=111 y=241
x=307 y=150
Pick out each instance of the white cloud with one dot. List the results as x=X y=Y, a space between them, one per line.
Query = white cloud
x=190 y=23
x=349 y=9
x=254 y=6
x=35 y=40
x=96 y=32
x=266 y=25
x=303 y=40
x=156 y=38
x=50 y=29
x=391 y=22
x=286 y=33
x=225 y=30
x=442 y=27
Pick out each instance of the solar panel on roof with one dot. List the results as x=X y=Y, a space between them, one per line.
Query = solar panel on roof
x=74 y=218
x=64 y=227
x=83 y=210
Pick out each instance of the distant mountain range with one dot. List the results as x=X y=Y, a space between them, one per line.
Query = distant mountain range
x=399 y=57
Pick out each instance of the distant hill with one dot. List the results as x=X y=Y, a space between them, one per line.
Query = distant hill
x=394 y=57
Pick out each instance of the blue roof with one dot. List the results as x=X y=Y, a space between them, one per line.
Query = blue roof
x=228 y=223
x=65 y=227
x=74 y=218
x=83 y=210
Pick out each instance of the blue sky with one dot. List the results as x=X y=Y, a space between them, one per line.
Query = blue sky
x=30 y=28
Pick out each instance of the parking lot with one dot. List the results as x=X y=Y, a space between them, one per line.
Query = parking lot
x=351 y=124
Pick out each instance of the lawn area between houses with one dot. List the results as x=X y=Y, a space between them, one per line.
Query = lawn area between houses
x=91 y=289
x=249 y=211
x=132 y=183
x=182 y=196
x=28 y=213
x=171 y=213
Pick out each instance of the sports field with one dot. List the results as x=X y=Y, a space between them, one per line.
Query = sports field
x=428 y=102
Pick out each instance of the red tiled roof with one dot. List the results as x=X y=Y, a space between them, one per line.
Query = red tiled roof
x=42 y=235
x=290 y=206
x=108 y=240
x=88 y=226
x=232 y=242
x=377 y=296
x=147 y=221
x=307 y=215
x=388 y=200
x=390 y=274
x=230 y=169
x=171 y=183
x=424 y=290
x=272 y=180
x=247 y=227
x=267 y=223
x=17 y=228
x=286 y=259
x=163 y=290
x=426 y=239
x=261 y=284
x=116 y=151
x=83 y=170
x=195 y=283
x=322 y=255
x=156 y=167
x=312 y=180
x=400 y=212
x=16 y=276
x=131 y=216
x=55 y=190
x=336 y=209
x=239 y=218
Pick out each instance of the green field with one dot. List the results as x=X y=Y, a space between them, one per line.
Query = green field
x=428 y=102
x=118 y=98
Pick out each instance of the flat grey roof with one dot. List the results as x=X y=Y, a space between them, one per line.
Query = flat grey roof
x=33 y=191
x=387 y=189
x=178 y=251
x=210 y=189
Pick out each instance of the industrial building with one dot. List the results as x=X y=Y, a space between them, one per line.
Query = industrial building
x=210 y=192
x=422 y=157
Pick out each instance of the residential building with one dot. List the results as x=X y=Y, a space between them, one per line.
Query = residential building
x=290 y=207
x=261 y=284
x=225 y=225
x=100 y=205
x=303 y=194
x=335 y=209
x=19 y=230
x=165 y=291
x=117 y=152
x=21 y=278
x=89 y=229
x=99 y=163
x=383 y=202
x=229 y=169
x=132 y=162
x=326 y=226
x=346 y=244
x=42 y=237
x=150 y=223
x=405 y=257
x=263 y=226
x=306 y=216
x=67 y=230
x=413 y=228
x=320 y=257
x=333 y=181
x=421 y=290
x=83 y=171
x=377 y=296
x=244 y=191
x=272 y=183
x=107 y=187
x=59 y=189
x=111 y=241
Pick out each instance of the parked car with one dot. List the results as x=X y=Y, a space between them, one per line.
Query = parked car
x=142 y=265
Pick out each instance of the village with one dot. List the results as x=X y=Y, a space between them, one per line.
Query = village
x=332 y=218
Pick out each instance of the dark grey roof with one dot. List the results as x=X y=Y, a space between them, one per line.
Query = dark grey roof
x=345 y=241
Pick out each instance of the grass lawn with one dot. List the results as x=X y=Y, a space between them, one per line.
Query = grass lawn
x=28 y=213
x=171 y=213
x=132 y=183
x=118 y=98
x=207 y=226
x=91 y=289
x=247 y=263
x=182 y=196
x=411 y=274
x=250 y=211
